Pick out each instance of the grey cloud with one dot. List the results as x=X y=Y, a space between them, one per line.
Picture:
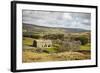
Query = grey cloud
x=57 y=19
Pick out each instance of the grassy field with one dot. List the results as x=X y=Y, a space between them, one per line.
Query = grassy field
x=85 y=47
x=27 y=41
x=66 y=44
x=29 y=56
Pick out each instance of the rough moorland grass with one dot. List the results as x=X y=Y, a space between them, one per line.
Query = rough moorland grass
x=29 y=56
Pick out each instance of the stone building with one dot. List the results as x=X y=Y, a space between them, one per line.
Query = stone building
x=42 y=43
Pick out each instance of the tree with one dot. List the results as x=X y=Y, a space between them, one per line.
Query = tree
x=54 y=36
x=82 y=39
x=35 y=36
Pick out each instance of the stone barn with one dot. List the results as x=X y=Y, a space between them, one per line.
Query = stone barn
x=42 y=43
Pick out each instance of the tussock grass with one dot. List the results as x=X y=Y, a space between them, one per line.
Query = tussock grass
x=29 y=56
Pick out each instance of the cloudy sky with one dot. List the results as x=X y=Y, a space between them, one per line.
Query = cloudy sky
x=57 y=19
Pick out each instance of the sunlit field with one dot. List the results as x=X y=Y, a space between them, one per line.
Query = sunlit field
x=55 y=36
x=34 y=54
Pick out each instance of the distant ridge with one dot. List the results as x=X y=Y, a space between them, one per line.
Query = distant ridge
x=36 y=28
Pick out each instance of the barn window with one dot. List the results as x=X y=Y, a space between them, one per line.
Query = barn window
x=48 y=45
x=45 y=45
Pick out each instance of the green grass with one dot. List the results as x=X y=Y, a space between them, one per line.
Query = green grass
x=27 y=41
x=51 y=49
x=85 y=47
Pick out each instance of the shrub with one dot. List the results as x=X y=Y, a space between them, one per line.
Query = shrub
x=82 y=39
x=32 y=36
x=54 y=36
x=39 y=50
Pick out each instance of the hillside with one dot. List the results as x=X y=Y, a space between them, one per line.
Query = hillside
x=30 y=28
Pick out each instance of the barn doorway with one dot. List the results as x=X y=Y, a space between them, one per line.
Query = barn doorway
x=34 y=43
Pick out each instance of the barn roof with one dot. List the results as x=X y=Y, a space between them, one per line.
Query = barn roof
x=42 y=40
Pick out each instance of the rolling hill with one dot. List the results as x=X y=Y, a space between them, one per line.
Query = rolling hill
x=31 y=28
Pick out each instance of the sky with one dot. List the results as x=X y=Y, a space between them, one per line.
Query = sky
x=57 y=19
